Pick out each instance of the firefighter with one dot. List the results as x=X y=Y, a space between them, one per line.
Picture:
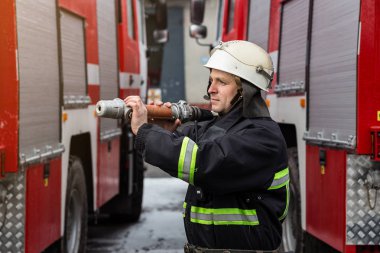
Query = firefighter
x=235 y=164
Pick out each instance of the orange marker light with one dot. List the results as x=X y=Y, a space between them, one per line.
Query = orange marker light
x=267 y=101
x=64 y=116
x=303 y=102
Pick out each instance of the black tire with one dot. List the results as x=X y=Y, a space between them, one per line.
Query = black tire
x=292 y=238
x=75 y=234
x=135 y=200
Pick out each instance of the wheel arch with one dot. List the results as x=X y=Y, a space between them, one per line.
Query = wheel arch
x=80 y=146
x=290 y=134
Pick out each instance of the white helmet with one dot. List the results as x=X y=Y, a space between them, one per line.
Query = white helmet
x=245 y=60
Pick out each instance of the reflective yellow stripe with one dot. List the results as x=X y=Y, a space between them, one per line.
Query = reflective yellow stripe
x=182 y=157
x=187 y=160
x=192 y=166
x=223 y=216
x=287 y=202
x=280 y=179
x=184 y=209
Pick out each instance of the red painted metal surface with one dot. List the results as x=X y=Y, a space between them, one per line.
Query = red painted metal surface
x=274 y=25
x=94 y=93
x=274 y=34
x=8 y=86
x=43 y=207
x=86 y=9
x=239 y=29
x=326 y=195
x=128 y=47
x=108 y=171
x=129 y=92
x=368 y=98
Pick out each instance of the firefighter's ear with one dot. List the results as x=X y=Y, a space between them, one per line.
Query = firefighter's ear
x=207 y=97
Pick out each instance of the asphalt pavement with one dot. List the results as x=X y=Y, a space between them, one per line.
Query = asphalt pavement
x=160 y=229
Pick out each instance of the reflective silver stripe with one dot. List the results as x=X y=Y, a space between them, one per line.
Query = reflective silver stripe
x=280 y=182
x=224 y=217
x=281 y=178
x=187 y=160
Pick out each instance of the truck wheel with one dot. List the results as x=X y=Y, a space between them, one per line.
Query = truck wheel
x=292 y=238
x=75 y=234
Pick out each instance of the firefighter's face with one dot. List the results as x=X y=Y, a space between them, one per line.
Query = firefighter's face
x=222 y=90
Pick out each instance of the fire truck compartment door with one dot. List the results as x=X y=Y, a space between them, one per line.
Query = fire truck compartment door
x=38 y=75
x=292 y=59
x=333 y=64
x=73 y=54
x=258 y=25
x=108 y=65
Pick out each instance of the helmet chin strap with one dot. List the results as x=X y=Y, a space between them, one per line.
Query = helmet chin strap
x=237 y=97
x=253 y=103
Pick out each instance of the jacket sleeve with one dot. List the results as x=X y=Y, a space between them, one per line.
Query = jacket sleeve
x=242 y=161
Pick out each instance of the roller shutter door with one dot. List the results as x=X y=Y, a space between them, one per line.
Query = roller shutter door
x=334 y=42
x=38 y=74
x=108 y=65
x=258 y=25
x=292 y=60
x=73 y=54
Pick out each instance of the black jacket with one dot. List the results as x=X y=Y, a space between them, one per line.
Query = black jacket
x=238 y=178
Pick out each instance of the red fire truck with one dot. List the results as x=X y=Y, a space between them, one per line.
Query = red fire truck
x=58 y=161
x=326 y=98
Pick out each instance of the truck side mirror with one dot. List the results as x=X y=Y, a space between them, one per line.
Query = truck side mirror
x=198 y=31
x=161 y=34
x=197 y=11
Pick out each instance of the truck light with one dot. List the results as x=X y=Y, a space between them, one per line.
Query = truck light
x=303 y=102
x=64 y=116
x=267 y=101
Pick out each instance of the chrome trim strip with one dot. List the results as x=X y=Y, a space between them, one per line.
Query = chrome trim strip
x=76 y=101
x=110 y=134
x=330 y=142
x=40 y=156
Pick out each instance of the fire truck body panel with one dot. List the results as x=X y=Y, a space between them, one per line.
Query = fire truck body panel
x=325 y=195
x=42 y=209
x=258 y=22
x=58 y=58
x=79 y=122
x=39 y=123
x=128 y=42
x=9 y=92
x=143 y=50
x=368 y=93
x=235 y=23
x=109 y=88
x=333 y=66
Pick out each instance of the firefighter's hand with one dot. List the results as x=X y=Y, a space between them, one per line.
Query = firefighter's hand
x=139 y=112
x=169 y=125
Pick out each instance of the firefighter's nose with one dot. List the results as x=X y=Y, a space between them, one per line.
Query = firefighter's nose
x=212 y=88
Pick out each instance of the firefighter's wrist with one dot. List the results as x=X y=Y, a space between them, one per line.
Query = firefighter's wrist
x=142 y=132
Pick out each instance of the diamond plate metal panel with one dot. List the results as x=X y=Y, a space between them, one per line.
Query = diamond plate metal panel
x=363 y=223
x=12 y=209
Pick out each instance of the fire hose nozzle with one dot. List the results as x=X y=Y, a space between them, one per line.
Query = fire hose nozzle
x=116 y=109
